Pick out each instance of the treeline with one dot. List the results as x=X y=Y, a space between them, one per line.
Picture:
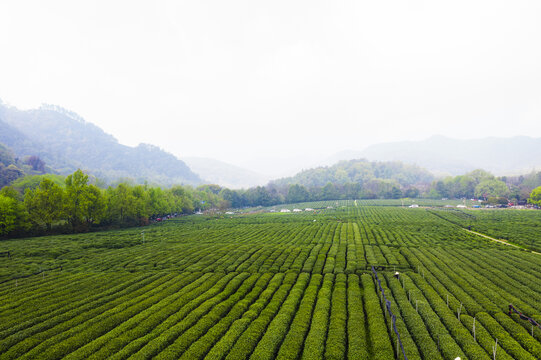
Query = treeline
x=273 y=194
x=478 y=184
x=483 y=185
x=35 y=205
x=75 y=205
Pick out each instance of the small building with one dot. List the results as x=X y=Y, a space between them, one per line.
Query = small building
x=308 y=209
x=297 y=210
x=461 y=206
x=285 y=210
x=414 y=206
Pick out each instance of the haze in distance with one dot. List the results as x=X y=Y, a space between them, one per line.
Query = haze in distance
x=282 y=86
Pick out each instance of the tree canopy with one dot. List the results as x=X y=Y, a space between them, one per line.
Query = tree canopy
x=535 y=196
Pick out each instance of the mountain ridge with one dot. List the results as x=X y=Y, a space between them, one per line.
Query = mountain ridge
x=444 y=155
x=65 y=141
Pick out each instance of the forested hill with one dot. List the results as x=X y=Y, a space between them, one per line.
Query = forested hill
x=443 y=155
x=360 y=172
x=65 y=142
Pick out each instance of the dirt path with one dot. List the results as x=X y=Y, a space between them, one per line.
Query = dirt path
x=500 y=241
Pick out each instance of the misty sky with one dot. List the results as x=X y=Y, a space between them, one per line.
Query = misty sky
x=240 y=80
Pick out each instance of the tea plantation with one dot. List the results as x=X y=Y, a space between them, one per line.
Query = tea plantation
x=265 y=285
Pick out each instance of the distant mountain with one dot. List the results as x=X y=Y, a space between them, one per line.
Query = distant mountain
x=66 y=142
x=359 y=171
x=443 y=155
x=224 y=174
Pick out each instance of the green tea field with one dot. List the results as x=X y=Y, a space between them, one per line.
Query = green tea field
x=316 y=284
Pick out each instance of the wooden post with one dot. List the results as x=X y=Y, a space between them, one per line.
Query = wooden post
x=494 y=348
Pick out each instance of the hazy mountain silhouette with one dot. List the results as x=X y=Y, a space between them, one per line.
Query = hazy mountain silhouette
x=224 y=174
x=66 y=142
x=440 y=154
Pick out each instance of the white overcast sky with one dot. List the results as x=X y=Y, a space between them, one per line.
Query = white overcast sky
x=239 y=80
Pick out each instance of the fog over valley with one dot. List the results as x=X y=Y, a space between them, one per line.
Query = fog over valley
x=276 y=88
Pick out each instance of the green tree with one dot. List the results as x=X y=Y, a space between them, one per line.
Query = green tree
x=297 y=193
x=480 y=175
x=77 y=198
x=8 y=214
x=232 y=197
x=16 y=207
x=121 y=203
x=213 y=188
x=467 y=186
x=96 y=206
x=10 y=192
x=159 y=203
x=352 y=190
x=535 y=196
x=183 y=199
x=329 y=192
x=141 y=207
x=412 y=192
x=45 y=203
x=32 y=181
x=262 y=196
x=491 y=188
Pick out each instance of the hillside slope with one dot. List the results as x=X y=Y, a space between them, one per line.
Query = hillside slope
x=66 y=142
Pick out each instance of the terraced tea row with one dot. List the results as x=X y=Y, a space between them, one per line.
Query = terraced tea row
x=271 y=285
